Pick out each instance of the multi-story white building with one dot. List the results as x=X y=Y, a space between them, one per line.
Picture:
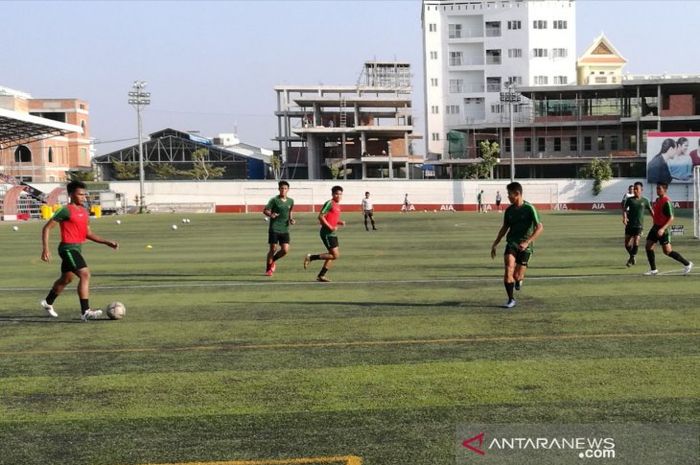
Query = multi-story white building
x=474 y=48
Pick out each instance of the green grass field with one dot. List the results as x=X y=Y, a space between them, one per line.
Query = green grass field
x=216 y=362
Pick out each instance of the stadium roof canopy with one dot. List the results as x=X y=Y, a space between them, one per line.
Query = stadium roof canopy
x=21 y=128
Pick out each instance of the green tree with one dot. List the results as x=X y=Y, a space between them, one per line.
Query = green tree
x=201 y=171
x=125 y=170
x=484 y=168
x=165 y=171
x=276 y=165
x=599 y=170
x=81 y=175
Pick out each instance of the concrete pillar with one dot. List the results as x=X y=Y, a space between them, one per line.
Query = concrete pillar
x=313 y=157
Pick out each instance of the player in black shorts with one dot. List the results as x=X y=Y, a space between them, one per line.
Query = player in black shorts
x=523 y=226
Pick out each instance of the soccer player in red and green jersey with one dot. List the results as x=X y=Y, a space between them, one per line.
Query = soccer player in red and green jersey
x=73 y=220
x=330 y=220
x=523 y=225
x=663 y=217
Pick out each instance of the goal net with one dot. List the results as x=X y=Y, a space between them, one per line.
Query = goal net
x=258 y=196
x=696 y=201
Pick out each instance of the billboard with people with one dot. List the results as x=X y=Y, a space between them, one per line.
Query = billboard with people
x=671 y=156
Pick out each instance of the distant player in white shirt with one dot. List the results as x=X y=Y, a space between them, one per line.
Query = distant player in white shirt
x=628 y=195
x=368 y=211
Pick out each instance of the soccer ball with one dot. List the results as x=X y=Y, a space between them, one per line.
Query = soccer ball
x=116 y=311
x=15 y=228
x=174 y=227
x=118 y=221
x=184 y=220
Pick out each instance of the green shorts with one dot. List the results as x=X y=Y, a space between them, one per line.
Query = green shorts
x=329 y=239
x=522 y=257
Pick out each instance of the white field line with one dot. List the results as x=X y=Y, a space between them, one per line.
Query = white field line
x=267 y=282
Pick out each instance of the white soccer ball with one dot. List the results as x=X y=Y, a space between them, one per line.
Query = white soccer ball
x=118 y=221
x=116 y=311
x=174 y=227
x=15 y=228
x=184 y=220
x=188 y=220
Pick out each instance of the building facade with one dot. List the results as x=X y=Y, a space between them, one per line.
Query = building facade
x=50 y=158
x=559 y=129
x=352 y=132
x=473 y=50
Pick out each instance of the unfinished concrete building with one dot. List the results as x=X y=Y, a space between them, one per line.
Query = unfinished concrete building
x=349 y=132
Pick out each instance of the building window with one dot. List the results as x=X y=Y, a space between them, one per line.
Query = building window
x=50 y=155
x=514 y=80
x=541 y=80
x=613 y=143
x=561 y=80
x=539 y=52
x=492 y=28
x=497 y=108
x=601 y=143
x=434 y=109
x=493 y=57
x=436 y=136
x=514 y=25
x=560 y=52
x=507 y=145
x=541 y=144
x=557 y=144
x=432 y=27
x=455 y=58
x=493 y=84
x=452 y=109
x=528 y=144
x=433 y=55
x=515 y=53
x=455 y=31
x=632 y=142
x=456 y=86
x=539 y=24
x=433 y=82
x=560 y=24
x=587 y=141
x=573 y=144
x=23 y=154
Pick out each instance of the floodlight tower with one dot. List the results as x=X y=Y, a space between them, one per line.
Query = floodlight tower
x=139 y=98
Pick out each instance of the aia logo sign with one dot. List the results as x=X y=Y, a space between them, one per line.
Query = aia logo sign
x=475 y=443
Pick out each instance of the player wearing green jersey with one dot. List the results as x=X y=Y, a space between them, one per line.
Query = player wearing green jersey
x=633 y=218
x=279 y=211
x=523 y=225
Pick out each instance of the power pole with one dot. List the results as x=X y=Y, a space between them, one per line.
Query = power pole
x=138 y=98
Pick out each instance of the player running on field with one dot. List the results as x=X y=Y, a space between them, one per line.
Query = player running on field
x=633 y=218
x=663 y=217
x=279 y=210
x=73 y=220
x=330 y=220
x=523 y=225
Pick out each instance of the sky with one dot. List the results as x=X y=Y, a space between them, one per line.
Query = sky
x=211 y=66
